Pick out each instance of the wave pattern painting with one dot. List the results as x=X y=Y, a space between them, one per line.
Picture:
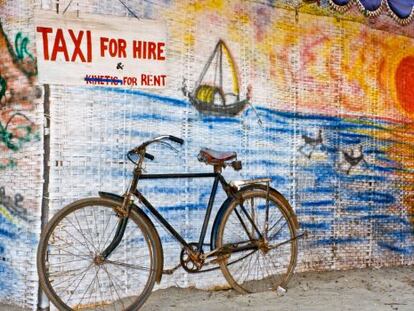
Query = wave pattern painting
x=345 y=177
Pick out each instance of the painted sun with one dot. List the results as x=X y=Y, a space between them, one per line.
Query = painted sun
x=404 y=79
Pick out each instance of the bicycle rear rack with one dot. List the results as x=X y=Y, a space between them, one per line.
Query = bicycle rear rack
x=241 y=183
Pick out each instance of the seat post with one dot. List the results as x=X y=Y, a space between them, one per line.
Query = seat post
x=218 y=168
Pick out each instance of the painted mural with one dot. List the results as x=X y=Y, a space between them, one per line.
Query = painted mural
x=335 y=133
x=212 y=97
x=20 y=158
x=15 y=236
x=333 y=95
x=17 y=73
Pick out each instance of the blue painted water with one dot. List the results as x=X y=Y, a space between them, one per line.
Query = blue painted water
x=328 y=194
x=14 y=237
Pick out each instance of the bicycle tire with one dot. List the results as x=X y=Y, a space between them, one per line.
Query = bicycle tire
x=237 y=267
x=116 y=287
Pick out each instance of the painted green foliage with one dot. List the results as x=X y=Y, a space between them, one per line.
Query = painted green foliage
x=3 y=87
x=20 y=44
x=10 y=164
x=22 y=133
x=16 y=128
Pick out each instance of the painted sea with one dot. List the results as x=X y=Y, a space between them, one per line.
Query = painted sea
x=345 y=177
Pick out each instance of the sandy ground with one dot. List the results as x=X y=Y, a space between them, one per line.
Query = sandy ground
x=374 y=290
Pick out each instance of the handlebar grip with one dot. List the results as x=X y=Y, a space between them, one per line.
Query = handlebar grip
x=146 y=155
x=176 y=139
x=149 y=156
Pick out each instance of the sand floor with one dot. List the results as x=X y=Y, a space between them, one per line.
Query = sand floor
x=362 y=290
x=367 y=289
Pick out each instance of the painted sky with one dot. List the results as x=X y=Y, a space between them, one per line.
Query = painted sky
x=333 y=66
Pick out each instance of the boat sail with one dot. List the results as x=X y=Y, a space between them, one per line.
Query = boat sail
x=211 y=95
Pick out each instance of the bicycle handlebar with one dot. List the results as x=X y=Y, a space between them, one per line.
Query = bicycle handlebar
x=149 y=156
x=143 y=146
x=170 y=137
x=176 y=139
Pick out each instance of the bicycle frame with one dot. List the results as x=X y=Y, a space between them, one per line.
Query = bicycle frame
x=127 y=203
x=217 y=178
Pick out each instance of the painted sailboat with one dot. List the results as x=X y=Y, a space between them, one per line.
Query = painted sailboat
x=211 y=94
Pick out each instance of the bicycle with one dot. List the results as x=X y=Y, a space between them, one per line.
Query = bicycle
x=105 y=253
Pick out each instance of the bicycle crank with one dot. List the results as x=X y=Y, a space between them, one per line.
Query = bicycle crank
x=191 y=259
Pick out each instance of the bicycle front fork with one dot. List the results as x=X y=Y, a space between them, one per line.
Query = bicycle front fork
x=123 y=213
x=119 y=234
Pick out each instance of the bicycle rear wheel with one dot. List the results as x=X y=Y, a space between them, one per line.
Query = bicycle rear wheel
x=71 y=271
x=271 y=261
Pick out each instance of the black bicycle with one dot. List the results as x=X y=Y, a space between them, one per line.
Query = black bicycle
x=105 y=253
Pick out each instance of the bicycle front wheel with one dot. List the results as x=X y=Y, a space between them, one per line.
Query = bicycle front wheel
x=261 y=263
x=74 y=275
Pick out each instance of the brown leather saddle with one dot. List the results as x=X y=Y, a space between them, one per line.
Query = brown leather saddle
x=217 y=158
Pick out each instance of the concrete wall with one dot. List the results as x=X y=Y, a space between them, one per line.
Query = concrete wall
x=310 y=74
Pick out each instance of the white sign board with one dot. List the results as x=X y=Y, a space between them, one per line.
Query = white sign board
x=100 y=50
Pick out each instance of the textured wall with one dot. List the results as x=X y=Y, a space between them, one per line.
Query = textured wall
x=340 y=83
x=309 y=75
x=21 y=155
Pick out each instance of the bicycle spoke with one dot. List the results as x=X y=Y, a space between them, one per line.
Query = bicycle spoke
x=83 y=276
x=73 y=236
x=255 y=265
x=69 y=274
x=66 y=251
x=266 y=221
x=117 y=279
x=96 y=228
x=251 y=222
x=109 y=276
x=254 y=213
x=269 y=264
x=282 y=243
x=241 y=258
x=85 y=239
x=277 y=232
x=245 y=267
x=128 y=234
x=240 y=219
x=103 y=234
x=258 y=269
x=273 y=226
x=69 y=261
x=86 y=290
x=93 y=290
x=262 y=272
x=90 y=230
x=272 y=263
x=70 y=255
x=100 y=292
x=237 y=231
x=110 y=235
x=248 y=267
x=112 y=297
x=136 y=267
